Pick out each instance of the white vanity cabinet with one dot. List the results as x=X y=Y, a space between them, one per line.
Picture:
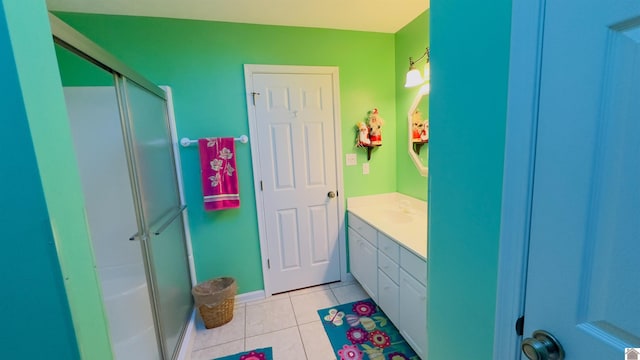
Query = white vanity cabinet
x=413 y=301
x=394 y=277
x=363 y=255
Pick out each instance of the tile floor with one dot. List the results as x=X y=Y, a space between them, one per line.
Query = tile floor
x=287 y=322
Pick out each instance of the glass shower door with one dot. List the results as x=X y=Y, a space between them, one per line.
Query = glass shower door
x=163 y=230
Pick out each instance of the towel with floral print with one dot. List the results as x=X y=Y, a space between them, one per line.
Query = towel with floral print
x=218 y=173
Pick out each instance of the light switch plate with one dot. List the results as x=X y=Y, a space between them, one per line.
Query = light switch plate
x=365 y=168
x=352 y=160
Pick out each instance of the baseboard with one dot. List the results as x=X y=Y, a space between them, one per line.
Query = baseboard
x=250 y=296
x=188 y=338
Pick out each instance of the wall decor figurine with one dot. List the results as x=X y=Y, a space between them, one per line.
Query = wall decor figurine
x=375 y=126
x=424 y=134
x=419 y=128
x=362 y=138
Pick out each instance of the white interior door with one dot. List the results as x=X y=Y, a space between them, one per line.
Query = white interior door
x=295 y=118
x=584 y=260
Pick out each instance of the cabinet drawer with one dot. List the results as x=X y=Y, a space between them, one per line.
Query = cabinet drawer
x=413 y=265
x=367 y=231
x=389 y=267
x=389 y=247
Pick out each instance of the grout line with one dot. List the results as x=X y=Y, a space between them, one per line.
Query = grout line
x=335 y=296
x=304 y=347
x=294 y=312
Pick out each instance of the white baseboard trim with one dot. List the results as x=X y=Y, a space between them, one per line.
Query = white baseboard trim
x=189 y=337
x=250 y=296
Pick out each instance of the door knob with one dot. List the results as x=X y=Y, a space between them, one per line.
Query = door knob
x=331 y=194
x=542 y=346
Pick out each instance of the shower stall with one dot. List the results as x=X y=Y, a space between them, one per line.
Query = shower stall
x=134 y=211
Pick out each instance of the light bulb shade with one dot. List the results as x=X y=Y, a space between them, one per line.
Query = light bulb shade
x=413 y=78
x=425 y=89
x=427 y=72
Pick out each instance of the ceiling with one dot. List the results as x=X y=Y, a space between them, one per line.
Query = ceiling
x=386 y=16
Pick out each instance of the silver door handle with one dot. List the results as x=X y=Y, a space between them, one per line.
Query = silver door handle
x=542 y=346
x=331 y=194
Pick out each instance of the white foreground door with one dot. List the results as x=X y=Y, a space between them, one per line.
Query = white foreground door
x=295 y=122
x=583 y=283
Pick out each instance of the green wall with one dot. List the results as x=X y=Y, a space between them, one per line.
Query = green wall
x=411 y=41
x=468 y=103
x=203 y=63
x=46 y=248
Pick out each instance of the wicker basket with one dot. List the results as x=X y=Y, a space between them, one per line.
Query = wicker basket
x=214 y=300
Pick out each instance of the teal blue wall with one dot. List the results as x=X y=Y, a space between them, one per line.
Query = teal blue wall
x=411 y=41
x=44 y=107
x=203 y=63
x=468 y=103
x=34 y=304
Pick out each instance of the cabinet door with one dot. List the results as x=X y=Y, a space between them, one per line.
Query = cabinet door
x=363 y=259
x=413 y=313
x=388 y=297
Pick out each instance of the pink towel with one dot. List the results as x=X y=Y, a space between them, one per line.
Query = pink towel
x=219 y=176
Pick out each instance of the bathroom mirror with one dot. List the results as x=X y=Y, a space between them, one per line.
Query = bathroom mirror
x=418 y=117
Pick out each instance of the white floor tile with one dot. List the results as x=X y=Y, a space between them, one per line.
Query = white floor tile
x=269 y=316
x=233 y=330
x=213 y=352
x=306 y=306
x=286 y=344
x=349 y=293
x=315 y=341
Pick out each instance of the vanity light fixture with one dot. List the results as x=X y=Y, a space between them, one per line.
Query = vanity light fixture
x=414 y=78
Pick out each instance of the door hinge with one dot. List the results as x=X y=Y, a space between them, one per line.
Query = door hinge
x=268 y=264
x=254 y=97
x=261 y=188
x=520 y=326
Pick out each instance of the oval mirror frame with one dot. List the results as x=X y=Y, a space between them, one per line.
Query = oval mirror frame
x=422 y=169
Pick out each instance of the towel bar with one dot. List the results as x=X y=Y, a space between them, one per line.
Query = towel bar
x=185 y=141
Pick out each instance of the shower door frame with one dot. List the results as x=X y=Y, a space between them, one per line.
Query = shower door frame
x=72 y=40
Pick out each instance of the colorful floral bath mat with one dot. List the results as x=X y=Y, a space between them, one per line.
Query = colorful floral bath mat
x=257 y=354
x=360 y=330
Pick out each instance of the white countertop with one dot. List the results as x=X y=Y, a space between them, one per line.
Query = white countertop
x=398 y=216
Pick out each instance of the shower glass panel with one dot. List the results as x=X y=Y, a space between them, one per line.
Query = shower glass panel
x=158 y=186
x=172 y=281
x=94 y=120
